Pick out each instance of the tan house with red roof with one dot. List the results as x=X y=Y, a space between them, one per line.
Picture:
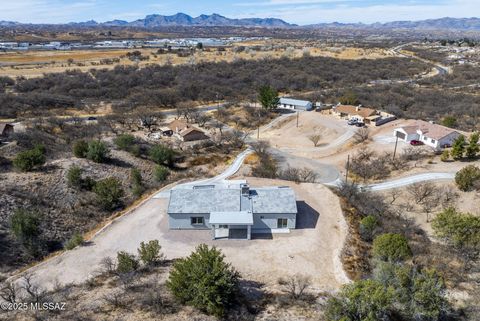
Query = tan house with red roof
x=430 y=134
x=186 y=132
x=362 y=114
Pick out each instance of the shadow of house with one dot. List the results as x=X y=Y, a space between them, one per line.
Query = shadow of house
x=307 y=216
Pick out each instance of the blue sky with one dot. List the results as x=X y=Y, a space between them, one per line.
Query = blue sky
x=294 y=11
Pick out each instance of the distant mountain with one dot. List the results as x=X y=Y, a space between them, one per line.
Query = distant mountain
x=442 y=23
x=182 y=19
x=8 y=23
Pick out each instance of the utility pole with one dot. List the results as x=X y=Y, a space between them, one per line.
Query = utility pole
x=218 y=101
x=395 y=150
x=258 y=131
x=348 y=166
x=297 y=118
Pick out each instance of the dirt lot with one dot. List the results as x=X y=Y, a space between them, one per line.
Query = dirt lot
x=313 y=249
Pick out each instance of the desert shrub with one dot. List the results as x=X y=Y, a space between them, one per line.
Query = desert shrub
x=74 y=241
x=472 y=148
x=124 y=141
x=445 y=156
x=74 y=176
x=205 y=281
x=97 y=151
x=126 y=262
x=391 y=247
x=468 y=178
x=419 y=293
x=80 y=149
x=368 y=224
x=109 y=193
x=461 y=230
x=162 y=155
x=137 y=182
x=365 y=300
x=149 y=253
x=30 y=159
x=25 y=225
x=458 y=148
x=161 y=173
x=449 y=121
x=295 y=286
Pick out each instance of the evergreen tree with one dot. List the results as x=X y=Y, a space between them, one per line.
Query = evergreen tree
x=472 y=148
x=268 y=97
x=458 y=148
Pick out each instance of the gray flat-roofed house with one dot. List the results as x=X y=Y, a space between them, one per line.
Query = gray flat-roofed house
x=294 y=104
x=227 y=208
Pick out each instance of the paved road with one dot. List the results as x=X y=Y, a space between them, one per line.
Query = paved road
x=405 y=181
x=442 y=70
x=401 y=182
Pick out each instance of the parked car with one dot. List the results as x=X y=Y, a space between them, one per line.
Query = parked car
x=416 y=143
x=92 y=118
x=352 y=122
x=360 y=124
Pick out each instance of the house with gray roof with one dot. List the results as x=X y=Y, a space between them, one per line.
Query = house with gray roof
x=232 y=209
x=294 y=104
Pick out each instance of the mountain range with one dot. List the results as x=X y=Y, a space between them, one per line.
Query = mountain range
x=182 y=19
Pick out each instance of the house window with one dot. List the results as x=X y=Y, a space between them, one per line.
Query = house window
x=196 y=220
x=433 y=141
x=282 y=223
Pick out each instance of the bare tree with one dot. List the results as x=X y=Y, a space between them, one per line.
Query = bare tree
x=421 y=191
x=148 y=118
x=260 y=147
x=295 y=285
x=315 y=138
x=9 y=292
x=361 y=135
x=35 y=293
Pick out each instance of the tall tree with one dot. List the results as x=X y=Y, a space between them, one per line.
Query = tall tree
x=268 y=97
x=472 y=148
x=458 y=148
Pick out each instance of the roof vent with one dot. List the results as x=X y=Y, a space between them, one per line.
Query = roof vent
x=245 y=189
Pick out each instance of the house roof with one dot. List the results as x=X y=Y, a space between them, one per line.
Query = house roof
x=3 y=126
x=178 y=124
x=295 y=102
x=355 y=110
x=189 y=130
x=430 y=130
x=273 y=200
x=206 y=199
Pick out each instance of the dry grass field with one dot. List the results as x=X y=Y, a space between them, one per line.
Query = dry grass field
x=35 y=63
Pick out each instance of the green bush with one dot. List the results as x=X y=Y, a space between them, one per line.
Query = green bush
x=30 y=159
x=109 y=193
x=135 y=150
x=468 y=178
x=268 y=97
x=368 y=225
x=365 y=300
x=98 y=151
x=124 y=141
x=80 y=149
x=449 y=121
x=419 y=294
x=161 y=173
x=461 y=230
x=25 y=225
x=74 y=176
x=445 y=156
x=74 y=241
x=162 y=155
x=205 y=281
x=136 y=177
x=391 y=247
x=126 y=262
x=149 y=253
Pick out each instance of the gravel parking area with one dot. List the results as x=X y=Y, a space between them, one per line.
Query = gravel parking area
x=313 y=249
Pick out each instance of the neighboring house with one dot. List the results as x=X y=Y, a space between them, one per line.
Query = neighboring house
x=185 y=132
x=166 y=131
x=359 y=113
x=232 y=209
x=294 y=104
x=6 y=130
x=433 y=135
x=366 y=115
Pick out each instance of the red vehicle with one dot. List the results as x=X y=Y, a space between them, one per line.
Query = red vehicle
x=416 y=143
